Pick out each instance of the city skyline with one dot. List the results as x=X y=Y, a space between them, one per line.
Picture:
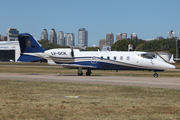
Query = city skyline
x=148 y=19
x=60 y=37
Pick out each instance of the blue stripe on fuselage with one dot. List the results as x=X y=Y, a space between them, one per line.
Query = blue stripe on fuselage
x=106 y=64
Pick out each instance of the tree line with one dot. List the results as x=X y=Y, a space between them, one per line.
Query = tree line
x=47 y=45
x=164 y=45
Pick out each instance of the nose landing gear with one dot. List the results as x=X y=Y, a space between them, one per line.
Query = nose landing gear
x=155 y=75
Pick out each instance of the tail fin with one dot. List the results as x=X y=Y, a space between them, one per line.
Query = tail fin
x=28 y=44
x=31 y=50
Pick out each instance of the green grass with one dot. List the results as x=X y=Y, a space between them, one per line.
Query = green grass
x=46 y=100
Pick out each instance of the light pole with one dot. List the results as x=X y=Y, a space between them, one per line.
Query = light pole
x=176 y=49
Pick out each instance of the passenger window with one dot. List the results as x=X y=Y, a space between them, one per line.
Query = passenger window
x=108 y=57
x=114 y=57
x=128 y=58
x=121 y=58
x=101 y=57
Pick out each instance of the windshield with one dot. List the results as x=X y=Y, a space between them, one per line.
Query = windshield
x=146 y=56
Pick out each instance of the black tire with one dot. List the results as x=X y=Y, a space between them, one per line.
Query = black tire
x=155 y=75
x=88 y=73
x=80 y=74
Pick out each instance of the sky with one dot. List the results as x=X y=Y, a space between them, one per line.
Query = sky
x=147 y=18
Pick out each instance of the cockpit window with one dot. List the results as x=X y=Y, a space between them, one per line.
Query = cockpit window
x=146 y=56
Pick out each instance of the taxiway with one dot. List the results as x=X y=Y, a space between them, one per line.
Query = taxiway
x=160 y=82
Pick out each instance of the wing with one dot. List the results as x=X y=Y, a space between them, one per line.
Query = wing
x=77 y=66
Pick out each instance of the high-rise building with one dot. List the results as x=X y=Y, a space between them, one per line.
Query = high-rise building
x=12 y=31
x=44 y=35
x=171 y=34
x=178 y=35
x=109 y=39
x=119 y=36
x=60 y=39
x=53 y=36
x=124 y=36
x=82 y=38
x=133 y=36
x=69 y=39
x=102 y=42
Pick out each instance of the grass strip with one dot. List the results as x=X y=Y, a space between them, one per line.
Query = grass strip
x=46 y=100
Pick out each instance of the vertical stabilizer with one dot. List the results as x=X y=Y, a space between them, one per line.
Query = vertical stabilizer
x=28 y=44
x=31 y=50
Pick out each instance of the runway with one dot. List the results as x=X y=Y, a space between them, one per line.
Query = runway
x=161 y=82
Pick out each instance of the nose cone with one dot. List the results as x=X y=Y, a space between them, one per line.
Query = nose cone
x=163 y=65
x=166 y=65
x=169 y=66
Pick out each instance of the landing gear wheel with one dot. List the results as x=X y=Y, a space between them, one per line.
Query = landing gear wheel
x=80 y=74
x=155 y=75
x=88 y=73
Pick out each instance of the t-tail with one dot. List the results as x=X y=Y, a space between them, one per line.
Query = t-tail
x=31 y=50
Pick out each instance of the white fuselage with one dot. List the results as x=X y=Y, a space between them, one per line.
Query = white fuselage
x=113 y=60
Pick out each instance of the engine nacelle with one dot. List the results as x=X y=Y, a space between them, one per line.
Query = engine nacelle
x=61 y=56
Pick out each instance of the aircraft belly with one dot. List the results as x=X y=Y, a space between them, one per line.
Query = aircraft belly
x=122 y=66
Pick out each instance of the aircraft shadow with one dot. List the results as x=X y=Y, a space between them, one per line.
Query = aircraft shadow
x=61 y=75
x=78 y=75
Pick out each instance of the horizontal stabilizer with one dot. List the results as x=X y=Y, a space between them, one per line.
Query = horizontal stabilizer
x=29 y=58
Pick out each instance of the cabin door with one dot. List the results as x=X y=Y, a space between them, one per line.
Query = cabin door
x=94 y=58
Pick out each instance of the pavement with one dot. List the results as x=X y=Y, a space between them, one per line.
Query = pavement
x=160 y=82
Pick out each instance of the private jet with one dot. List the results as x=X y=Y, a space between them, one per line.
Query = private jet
x=70 y=58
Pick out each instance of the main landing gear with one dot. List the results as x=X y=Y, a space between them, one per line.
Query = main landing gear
x=88 y=73
x=155 y=75
x=80 y=73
